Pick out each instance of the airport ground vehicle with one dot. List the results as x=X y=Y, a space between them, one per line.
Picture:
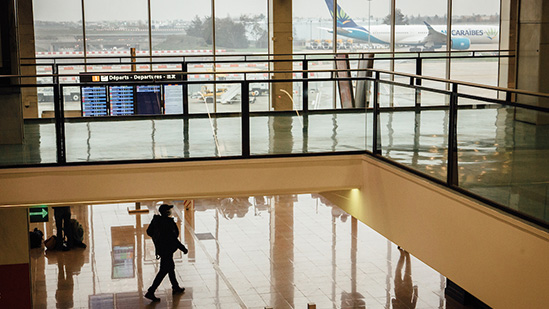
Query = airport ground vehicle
x=45 y=94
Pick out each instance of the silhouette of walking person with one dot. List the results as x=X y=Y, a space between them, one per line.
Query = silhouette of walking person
x=405 y=293
x=165 y=233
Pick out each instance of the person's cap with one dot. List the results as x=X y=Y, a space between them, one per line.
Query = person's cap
x=164 y=208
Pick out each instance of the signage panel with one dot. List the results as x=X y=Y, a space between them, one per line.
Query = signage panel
x=39 y=214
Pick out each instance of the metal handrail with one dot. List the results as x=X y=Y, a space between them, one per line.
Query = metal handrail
x=362 y=53
x=452 y=159
x=396 y=74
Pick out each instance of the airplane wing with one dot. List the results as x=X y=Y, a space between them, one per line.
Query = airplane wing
x=413 y=40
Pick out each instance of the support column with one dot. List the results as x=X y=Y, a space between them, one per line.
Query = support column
x=11 y=116
x=25 y=23
x=281 y=34
x=508 y=41
x=533 y=58
x=15 y=285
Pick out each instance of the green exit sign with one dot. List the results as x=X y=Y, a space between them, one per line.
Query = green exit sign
x=39 y=214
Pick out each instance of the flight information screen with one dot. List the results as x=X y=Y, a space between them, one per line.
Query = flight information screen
x=173 y=99
x=94 y=101
x=148 y=100
x=121 y=98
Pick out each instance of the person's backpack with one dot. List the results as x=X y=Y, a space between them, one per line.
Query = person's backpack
x=154 y=232
x=35 y=238
x=50 y=242
x=77 y=230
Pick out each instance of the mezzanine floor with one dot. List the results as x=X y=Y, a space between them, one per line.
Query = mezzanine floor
x=498 y=158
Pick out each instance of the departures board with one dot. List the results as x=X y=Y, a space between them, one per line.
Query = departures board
x=124 y=100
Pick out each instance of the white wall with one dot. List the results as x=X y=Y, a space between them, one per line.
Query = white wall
x=500 y=260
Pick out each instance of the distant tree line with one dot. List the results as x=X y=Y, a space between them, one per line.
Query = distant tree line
x=401 y=19
x=230 y=33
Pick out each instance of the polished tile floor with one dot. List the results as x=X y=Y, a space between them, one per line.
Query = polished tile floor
x=251 y=252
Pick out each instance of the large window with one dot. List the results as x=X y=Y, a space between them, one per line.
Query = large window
x=116 y=26
x=181 y=26
x=57 y=26
x=477 y=21
x=241 y=27
x=219 y=27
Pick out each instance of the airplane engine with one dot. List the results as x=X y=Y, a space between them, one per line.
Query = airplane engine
x=461 y=43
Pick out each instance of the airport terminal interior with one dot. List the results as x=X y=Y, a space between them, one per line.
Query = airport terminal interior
x=317 y=153
x=283 y=251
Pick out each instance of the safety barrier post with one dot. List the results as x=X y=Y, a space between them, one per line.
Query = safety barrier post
x=245 y=114
x=419 y=72
x=452 y=176
x=184 y=67
x=59 y=116
x=377 y=125
x=305 y=77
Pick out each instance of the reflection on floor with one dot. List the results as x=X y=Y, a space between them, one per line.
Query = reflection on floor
x=256 y=252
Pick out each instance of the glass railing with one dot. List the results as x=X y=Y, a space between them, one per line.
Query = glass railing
x=489 y=148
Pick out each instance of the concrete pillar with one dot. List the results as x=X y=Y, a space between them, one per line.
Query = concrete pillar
x=11 y=116
x=281 y=34
x=508 y=41
x=15 y=285
x=25 y=21
x=533 y=57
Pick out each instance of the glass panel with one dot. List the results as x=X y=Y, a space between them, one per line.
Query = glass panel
x=58 y=33
x=152 y=139
x=403 y=97
x=113 y=27
x=369 y=130
x=201 y=96
x=504 y=159
x=428 y=98
x=285 y=134
x=336 y=132
x=58 y=28
x=412 y=34
x=419 y=140
x=478 y=26
x=434 y=68
x=259 y=96
x=411 y=31
x=482 y=71
x=361 y=18
x=277 y=134
x=241 y=28
x=321 y=94
x=313 y=27
x=181 y=27
x=39 y=146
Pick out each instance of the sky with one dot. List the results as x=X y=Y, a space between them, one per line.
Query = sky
x=97 y=10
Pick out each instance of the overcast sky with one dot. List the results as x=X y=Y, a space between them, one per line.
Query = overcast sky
x=97 y=10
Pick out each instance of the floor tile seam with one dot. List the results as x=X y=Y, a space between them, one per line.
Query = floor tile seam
x=214 y=264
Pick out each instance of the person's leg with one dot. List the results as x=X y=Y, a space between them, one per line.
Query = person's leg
x=159 y=277
x=67 y=227
x=156 y=282
x=169 y=267
x=58 y=214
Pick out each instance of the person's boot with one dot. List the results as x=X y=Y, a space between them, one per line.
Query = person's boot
x=150 y=295
x=177 y=290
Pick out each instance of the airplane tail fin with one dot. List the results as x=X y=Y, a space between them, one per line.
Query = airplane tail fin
x=343 y=19
x=430 y=28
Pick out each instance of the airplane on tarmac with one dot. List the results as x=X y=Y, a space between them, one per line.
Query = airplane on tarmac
x=417 y=36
